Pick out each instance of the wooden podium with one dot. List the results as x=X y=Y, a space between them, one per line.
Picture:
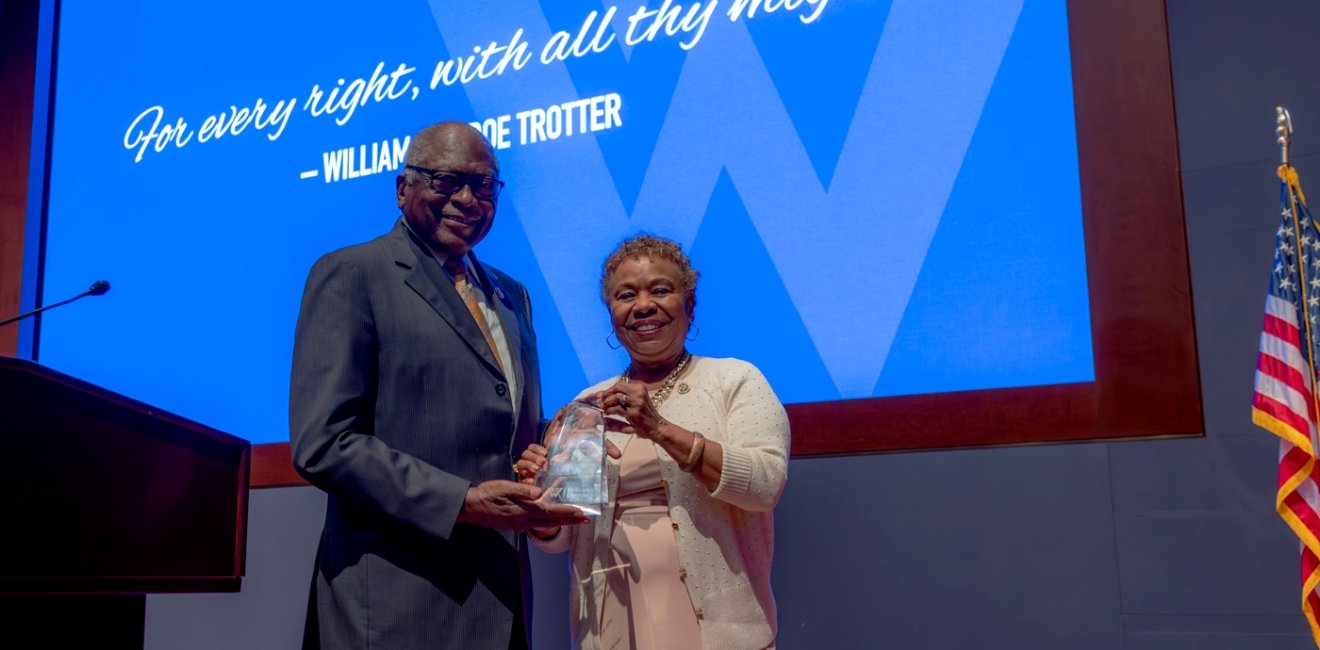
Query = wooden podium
x=104 y=499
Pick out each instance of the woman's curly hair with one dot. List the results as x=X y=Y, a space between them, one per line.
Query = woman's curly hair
x=656 y=248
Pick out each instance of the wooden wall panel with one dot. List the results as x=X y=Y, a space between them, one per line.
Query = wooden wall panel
x=18 y=61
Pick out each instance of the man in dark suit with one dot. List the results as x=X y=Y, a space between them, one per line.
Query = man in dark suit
x=409 y=403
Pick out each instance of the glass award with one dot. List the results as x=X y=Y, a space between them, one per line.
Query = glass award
x=575 y=460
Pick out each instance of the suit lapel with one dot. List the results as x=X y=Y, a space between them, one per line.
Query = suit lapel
x=424 y=275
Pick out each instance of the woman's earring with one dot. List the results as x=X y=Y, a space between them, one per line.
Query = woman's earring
x=615 y=345
x=690 y=335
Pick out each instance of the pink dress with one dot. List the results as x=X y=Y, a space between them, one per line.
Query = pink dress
x=646 y=603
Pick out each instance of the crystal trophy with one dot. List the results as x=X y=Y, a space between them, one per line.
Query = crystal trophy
x=575 y=460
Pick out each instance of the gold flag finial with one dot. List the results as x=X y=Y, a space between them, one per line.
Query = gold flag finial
x=1284 y=129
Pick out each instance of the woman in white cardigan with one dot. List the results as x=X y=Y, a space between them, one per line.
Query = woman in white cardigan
x=680 y=556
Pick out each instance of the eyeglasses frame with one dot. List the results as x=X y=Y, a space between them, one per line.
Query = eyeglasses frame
x=467 y=181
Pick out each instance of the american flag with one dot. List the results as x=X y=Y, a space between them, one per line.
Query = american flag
x=1285 y=400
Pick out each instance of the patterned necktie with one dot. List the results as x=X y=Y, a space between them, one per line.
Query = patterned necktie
x=459 y=270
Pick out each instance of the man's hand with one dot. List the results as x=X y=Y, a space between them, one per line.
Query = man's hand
x=514 y=506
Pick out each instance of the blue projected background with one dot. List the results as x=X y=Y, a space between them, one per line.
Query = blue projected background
x=882 y=197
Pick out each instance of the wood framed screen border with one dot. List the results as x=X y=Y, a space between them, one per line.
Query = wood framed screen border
x=1147 y=381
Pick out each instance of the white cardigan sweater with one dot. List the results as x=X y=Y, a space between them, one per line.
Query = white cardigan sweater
x=725 y=538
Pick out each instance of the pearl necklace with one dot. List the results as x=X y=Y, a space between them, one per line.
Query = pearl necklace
x=667 y=385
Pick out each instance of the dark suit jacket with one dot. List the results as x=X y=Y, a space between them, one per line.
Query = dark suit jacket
x=396 y=406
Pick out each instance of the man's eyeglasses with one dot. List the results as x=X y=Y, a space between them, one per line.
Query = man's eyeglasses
x=443 y=181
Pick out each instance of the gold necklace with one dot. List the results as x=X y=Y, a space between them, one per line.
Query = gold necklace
x=667 y=385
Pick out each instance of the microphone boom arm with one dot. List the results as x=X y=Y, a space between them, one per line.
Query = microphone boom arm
x=98 y=288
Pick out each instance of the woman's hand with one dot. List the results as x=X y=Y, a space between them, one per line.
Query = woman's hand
x=535 y=459
x=531 y=464
x=558 y=421
x=631 y=401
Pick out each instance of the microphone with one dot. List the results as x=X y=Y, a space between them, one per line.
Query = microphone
x=98 y=288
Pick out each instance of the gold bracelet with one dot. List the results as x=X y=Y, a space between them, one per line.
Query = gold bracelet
x=694 y=456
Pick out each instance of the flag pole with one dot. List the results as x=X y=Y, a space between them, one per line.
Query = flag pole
x=1284 y=129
